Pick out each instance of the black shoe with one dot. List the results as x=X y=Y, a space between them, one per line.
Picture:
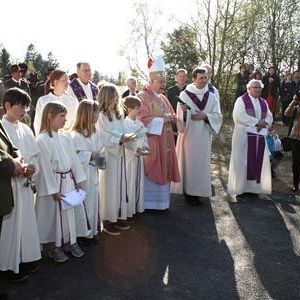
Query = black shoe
x=12 y=276
x=30 y=267
x=192 y=200
x=4 y=296
x=295 y=189
x=86 y=242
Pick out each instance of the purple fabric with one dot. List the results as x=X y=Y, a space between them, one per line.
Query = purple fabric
x=79 y=92
x=256 y=143
x=200 y=104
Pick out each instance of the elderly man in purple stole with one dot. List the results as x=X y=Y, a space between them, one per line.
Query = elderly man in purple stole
x=250 y=170
x=82 y=87
x=198 y=120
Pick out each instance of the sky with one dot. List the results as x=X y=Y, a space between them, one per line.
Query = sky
x=87 y=30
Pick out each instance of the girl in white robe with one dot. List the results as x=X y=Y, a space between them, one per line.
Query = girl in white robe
x=19 y=240
x=134 y=152
x=60 y=172
x=88 y=146
x=56 y=88
x=113 y=194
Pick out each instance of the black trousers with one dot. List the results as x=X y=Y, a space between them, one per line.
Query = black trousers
x=0 y=223
x=296 y=162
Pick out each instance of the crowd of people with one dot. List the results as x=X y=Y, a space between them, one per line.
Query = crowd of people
x=88 y=161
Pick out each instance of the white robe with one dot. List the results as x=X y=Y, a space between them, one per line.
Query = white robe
x=193 y=146
x=71 y=104
x=112 y=179
x=135 y=167
x=84 y=147
x=19 y=240
x=87 y=88
x=237 y=182
x=57 y=154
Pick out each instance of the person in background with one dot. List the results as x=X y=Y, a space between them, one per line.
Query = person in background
x=271 y=89
x=131 y=83
x=82 y=87
x=293 y=111
x=241 y=80
x=56 y=88
x=174 y=91
x=288 y=90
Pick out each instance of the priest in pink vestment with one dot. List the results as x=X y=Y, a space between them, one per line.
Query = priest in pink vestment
x=161 y=165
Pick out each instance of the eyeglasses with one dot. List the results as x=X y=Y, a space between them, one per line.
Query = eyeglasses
x=255 y=87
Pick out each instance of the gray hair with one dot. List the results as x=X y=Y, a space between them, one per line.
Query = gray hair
x=254 y=81
x=130 y=80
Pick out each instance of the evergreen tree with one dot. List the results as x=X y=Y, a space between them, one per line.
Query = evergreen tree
x=180 y=51
x=4 y=63
x=96 y=77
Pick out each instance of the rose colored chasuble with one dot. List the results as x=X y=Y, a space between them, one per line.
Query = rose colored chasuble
x=256 y=143
x=161 y=165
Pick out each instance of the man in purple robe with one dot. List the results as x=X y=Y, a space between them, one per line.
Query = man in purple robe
x=250 y=170
x=82 y=87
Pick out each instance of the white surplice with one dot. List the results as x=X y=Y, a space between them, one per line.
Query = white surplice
x=84 y=147
x=193 y=146
x=237 y=181
x=57 y=154
x=19 y=240
x=112 y=180
x=71 y=103
x=135 y=167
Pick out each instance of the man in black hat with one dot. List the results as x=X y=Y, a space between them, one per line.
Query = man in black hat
x=16 y=80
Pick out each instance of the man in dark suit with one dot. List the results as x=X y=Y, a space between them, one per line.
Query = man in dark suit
x=174 y=91
x=131 y=84
x=16 y=80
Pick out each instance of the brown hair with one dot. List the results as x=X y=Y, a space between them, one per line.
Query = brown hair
x=132 y=102
x=105 y=97
x=55 y=75
x=84 y=119
x=50 y=111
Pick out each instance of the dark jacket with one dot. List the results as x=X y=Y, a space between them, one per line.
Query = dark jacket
x=7 y=171
x=172 y=93
x=273 y=88
x=127 y=92
x=10 y=83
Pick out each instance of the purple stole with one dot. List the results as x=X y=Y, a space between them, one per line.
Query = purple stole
x=256 y=143
x=200 y=104
x=79 y=92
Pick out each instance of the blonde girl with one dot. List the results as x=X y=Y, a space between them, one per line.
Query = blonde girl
x=88 y=146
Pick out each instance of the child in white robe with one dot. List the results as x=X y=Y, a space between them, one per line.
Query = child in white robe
x=56 y=87
x=19 y=240
x=88 y=146
x=134 y=152
x=113 y=194
x=60 y=172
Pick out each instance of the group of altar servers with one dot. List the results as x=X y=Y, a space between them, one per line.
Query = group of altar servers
x=66 y=154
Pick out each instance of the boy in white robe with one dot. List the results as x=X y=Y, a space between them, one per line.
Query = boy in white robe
x=134 y=152
x=19 y=240
x=60 y=172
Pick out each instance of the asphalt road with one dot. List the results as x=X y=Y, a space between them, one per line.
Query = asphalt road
x=226 y=249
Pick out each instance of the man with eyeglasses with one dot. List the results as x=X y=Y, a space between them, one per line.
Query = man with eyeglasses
x=199 y=117
x=250 y=170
